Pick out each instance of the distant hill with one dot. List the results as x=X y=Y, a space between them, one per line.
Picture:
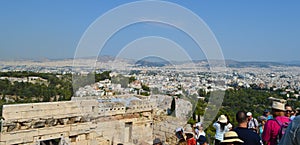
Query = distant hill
x=243 y=64
x=152 y=62
x=239 y=64
x=292 y=63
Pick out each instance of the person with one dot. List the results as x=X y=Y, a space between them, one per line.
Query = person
x=293 y=114
x=292 y=133
x=179 y=135
x=288 y=110
x=272 y=127
x=189 y=133
x=228 y=122
x=202 y=140
x=221 y=127
x=231 y=138
x=297 y=111
x=157 y=141
x=252 y=122
x=199 y=130
x=247 y=135
x=261 y=123
x=267 y=114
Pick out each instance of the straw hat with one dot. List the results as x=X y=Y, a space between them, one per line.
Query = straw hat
x=230 y=137
x=222 y=119
x=278 y=106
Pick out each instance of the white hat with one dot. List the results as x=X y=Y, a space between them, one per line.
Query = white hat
x=178 y=129
x=230 y=137
x=198 y=124
x=249 y=114
x=222 y=119
x=189 y=130
x=278 y=106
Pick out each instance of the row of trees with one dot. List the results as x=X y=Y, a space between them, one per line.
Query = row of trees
x=57 y=88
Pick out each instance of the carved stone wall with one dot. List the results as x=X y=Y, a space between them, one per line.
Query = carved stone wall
x=77 y=122
x=91 y=121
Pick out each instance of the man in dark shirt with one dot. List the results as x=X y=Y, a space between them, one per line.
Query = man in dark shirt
x=248 y=136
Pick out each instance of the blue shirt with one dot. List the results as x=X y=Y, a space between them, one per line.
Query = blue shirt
x=292 y=133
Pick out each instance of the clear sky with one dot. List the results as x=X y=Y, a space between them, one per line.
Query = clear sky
x=252 y=30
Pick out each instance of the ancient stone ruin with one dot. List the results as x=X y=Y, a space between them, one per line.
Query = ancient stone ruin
x=88 y=121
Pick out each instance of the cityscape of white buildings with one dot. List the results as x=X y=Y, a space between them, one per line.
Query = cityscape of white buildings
x=174 y=80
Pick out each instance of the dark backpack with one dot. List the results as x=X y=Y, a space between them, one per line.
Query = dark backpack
x=283 y=127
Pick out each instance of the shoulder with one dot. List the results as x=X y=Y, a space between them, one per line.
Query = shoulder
x=216 y=124
x=271 y=121
x=282 y=119
x=241 y=131
x=235 y=129
x=297 y=120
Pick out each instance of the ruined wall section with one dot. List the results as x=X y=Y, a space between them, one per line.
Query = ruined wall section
x=85 y=121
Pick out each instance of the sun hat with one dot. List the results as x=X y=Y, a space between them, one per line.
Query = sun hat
x=278 y=106
x=189 y=130
x=222 y=119
x=231 y=136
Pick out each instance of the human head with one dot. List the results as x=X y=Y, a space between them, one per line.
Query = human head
x=157 y=141
x=249 y=115
x=241 y=117
x=288 y=110
x=188 y=131
x=262 y=119
x=266 y=112
x=202 y=140
x=297 y=111
x=231 y=138
x=179 y=133
x=222 y=119
x=278 y=109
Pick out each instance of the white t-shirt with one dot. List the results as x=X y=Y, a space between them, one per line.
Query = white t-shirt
x=220 y=133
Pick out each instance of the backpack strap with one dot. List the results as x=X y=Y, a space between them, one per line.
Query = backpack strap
x=255 y=125
x=279 y=123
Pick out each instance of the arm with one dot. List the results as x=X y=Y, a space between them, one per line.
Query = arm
x=216 y=125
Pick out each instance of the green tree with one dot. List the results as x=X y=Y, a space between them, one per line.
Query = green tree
x=145 y=88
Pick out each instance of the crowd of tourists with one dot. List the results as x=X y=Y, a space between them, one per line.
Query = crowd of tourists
x=278 y=126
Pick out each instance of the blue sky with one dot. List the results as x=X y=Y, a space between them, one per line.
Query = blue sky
x=246 y=30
